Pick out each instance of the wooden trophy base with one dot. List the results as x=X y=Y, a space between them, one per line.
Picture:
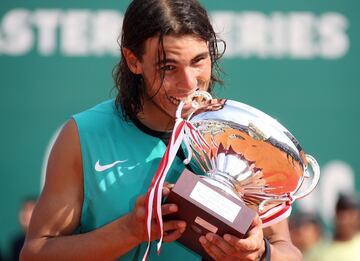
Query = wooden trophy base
x=206 y=208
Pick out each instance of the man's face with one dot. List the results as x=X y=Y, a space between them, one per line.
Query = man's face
x=187 y=68
x=346 y=222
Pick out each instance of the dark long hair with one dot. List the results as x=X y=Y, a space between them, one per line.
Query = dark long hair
x=147 y=18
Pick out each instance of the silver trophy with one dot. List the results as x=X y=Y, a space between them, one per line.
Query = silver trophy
x=249 y=155
x=241 y=162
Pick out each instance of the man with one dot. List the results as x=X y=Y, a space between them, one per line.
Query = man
x=346 y=243
x=92 y=205
x=307 y=235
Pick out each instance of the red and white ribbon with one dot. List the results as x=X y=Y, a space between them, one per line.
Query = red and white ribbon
x=154 y=194
x=183 y=131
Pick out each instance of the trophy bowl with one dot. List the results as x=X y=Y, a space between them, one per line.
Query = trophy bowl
x=251 y=156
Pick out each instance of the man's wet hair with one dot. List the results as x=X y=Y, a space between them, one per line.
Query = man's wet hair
x=144 y=19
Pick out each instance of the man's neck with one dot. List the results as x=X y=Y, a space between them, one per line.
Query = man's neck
x=153 y=117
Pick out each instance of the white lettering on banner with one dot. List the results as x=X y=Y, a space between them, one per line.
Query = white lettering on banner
x=70 y=33
x=46 y=21
x=17 y=37
x=278 y=30
x=335 y=42
x=294 y=35
x=253 y=36
x=106 y=24
x=75 y=33
x=301 y=35
x=83 y=32
x=214 y=201
x=223 y=24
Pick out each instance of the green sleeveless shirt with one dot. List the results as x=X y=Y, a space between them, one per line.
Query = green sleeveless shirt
x=119 y=161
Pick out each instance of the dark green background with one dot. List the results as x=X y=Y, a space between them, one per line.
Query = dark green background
x=316 y=99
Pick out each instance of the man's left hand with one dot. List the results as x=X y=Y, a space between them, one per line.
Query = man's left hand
x=229 y=247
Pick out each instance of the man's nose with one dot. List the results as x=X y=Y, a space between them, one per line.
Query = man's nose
x=188 y=80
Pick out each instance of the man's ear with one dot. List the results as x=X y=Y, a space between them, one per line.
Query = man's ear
x=132 y=61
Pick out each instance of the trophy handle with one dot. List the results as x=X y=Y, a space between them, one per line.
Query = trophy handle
x=205 y=95
x=315 y=177
x=286 y=197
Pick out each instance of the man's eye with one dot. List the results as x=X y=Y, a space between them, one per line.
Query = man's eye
x=167 y=68
x=199 y=60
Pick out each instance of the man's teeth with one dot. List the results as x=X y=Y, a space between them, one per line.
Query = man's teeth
x=177 y=100
x=174 y=100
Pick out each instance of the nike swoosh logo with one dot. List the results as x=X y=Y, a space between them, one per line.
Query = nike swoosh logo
x=100 y=168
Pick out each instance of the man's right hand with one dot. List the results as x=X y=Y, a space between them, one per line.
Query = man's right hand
x=136 y=221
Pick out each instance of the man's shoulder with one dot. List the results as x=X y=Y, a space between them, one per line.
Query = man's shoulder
x=105 y=107
x=99 y=114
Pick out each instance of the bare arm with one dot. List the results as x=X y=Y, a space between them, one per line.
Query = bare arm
x=280 y=242
x=58 y=213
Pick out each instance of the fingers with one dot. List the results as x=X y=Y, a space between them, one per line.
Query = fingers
x=211 y=248
x=248 y=244
x=247 y=248
x=140 y=201
x=252 y=241
x=167 y=188
x=172 y=236
x=218 y=245
x=168 y=185
x=244 y=245
x=256 y=222
x=173 y=230
x=139 y=209
x=167 y=209
x=227 y=247
x=174 y=224
x=256 y=228
x=165 y=191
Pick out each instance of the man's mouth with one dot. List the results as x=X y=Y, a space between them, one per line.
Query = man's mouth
x=176 y=100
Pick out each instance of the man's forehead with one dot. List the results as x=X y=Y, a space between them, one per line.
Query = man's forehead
x=152 y=45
